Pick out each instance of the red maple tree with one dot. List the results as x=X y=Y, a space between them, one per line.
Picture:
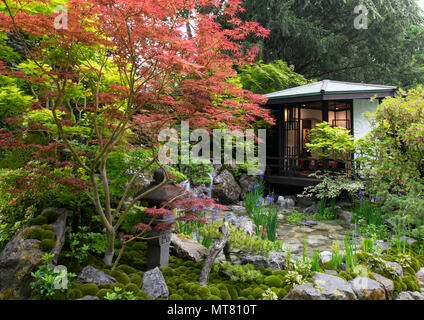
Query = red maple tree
x=171 y=61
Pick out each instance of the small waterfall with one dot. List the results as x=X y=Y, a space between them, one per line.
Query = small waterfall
x=211 y=176
x=186 y=185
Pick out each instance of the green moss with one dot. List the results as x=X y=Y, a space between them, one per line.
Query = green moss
x=40 y=220
x=50 y=215
x=257 y=293
x=411 y=283
x=135 y=278
x=283 y=292
x=273 y=281
x=47 y=227
x=233 y=292
x=89 y=289
x=35 y=233
x=101 y=294
x=175 y=297
x=214 y=291
x=194 y=288
x=204 y=292
x=214 y=297
x=167 y=271
x=132 y=287
x=345 y=275
x=126 y=269
x=246 y=292
x=186 y=296
x=46 y=245
x=121 y=277
x=73 y=294
x=47 y=234
x=105 y=286
x=224 y=295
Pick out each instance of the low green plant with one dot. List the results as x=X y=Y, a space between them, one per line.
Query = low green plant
x=48 y=280
x=240 y=240
x=315 y=263
x=295 y=217
x=269 y=295
x=350 y=251
x=336 y=256
x=119 y=294
x=237 y=272
x=325 y=211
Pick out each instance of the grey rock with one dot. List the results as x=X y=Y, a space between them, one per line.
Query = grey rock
x=368 y=289
x=304 y=201
x=420 y=277
x=388 y=284
x=410 y=295
x=22 y=256
x=310 y=210
x=154 y=284
x=322 y=287
x=332 y=272
x=225 y=188
x=89 y=298
x=188 y=249
x=325 y=256
x=241 y=223
x=244 y=183
x=345 y=216
x=285 y=202
x=308 y=223
x=90 y=274
x=275 y=261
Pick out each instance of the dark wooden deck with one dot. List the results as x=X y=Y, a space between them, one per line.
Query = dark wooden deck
x=292 y=181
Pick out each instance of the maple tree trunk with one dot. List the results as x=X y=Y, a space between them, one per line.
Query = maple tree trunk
x=214 y=250
x=110 y=251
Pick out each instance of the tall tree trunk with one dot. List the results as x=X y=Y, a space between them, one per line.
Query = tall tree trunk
x=110 y=251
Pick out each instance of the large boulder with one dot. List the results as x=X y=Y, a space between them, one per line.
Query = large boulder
x=322 y=287
x=410 y=295
x=22 y=256
x=388 y=284
x=92 y=275
x=244 y=183
x=241 y=223
x=275 y=261
x=225 y=188
x=345 y=216
x=188 y=249
x=154 y=284
x=368 y=289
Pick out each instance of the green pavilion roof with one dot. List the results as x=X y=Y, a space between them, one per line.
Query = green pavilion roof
x=330 y=88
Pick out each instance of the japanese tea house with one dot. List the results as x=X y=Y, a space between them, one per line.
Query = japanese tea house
x=300 y=109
